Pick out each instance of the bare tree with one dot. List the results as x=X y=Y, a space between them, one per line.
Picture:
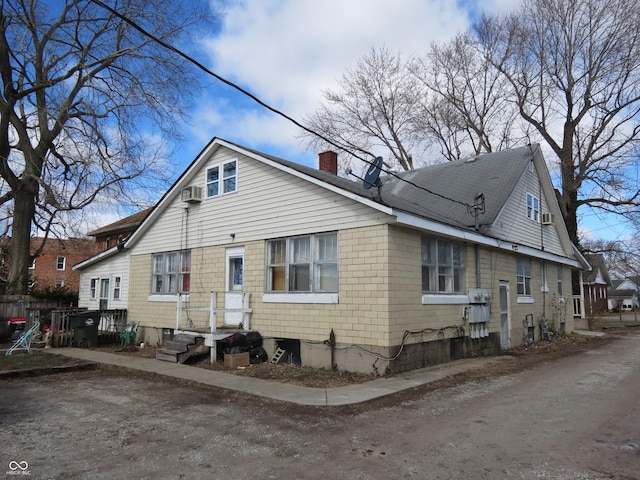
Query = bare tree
x=574 y=71
x=373 y=110
x=86 y=102
x=465 y=106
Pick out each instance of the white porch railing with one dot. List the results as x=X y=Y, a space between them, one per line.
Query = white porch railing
x=213 y=311
x=209 y=332
x=577 y=306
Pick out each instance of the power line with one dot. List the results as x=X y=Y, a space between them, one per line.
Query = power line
x=260 y=102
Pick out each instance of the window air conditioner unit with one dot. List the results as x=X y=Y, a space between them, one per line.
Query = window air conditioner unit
x=191 y=194
x=547 y=218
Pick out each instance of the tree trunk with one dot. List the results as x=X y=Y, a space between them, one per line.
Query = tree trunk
x=24 y=212
x=569 y=196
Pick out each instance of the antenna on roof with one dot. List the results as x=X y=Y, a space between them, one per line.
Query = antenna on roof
x=371 y=177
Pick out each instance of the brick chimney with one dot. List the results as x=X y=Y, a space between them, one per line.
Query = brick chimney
x=329 y=162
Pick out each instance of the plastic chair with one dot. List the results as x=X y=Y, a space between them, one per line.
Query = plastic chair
x=129 y=334
x=24 y=342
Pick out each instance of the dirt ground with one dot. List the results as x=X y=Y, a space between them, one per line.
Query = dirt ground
x=575 y=417
x=524 y=357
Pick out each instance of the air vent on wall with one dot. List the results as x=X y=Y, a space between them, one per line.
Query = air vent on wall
x=191 y=194
x=547 y=218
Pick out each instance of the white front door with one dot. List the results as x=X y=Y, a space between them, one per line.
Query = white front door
x=234 y=288
x=104 y=293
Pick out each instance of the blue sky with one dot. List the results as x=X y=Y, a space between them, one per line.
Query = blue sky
x=287 y=51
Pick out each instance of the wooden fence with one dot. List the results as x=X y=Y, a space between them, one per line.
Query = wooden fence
x=17 y=306
x=56 y=316
x=110 y=324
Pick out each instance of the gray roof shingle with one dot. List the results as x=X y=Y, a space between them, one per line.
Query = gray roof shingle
x=442 y=192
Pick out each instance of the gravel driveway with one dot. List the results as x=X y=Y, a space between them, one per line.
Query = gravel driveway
x=575 y=418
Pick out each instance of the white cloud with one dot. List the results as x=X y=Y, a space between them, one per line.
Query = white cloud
x=287 y=51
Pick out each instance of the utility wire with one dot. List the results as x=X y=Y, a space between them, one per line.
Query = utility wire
x=260 y=102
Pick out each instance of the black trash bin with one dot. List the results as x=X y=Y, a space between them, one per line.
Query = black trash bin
x=85 y=328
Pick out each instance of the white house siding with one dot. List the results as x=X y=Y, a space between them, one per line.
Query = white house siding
x=115 y=266
x=268 y=203
x=513 y=225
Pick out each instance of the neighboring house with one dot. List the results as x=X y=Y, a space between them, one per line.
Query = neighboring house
x=624 y=294
x=105 y=277
x=596 y=283
x=117 y=232
x=629 y=283
x=622 y=300
x=51 y=264
x=447 y=263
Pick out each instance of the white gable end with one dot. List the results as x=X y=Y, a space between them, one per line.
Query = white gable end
x=267 y=203
x=517 y=224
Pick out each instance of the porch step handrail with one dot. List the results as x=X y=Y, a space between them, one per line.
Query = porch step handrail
x=214 y=310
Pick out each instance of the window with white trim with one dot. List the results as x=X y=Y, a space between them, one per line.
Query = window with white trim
x=222 y=179
x=60 y=263
x=32 y=262
x=443 y=266
x=533 y=207
x=303 y=264
x=560 y=280
x=523 y=276
x=93 y=288
x=171 y=272
x=117 y=286
x=59 y=283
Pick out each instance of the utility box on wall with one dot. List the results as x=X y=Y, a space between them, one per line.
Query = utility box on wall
x=480 y=310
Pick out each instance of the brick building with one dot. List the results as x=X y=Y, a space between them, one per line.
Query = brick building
x=51 y=264
x=117 y=232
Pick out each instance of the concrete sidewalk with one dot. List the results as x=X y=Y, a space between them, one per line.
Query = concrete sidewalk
x=350 y=394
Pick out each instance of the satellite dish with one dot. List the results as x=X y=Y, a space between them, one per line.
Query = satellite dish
x=372 y=177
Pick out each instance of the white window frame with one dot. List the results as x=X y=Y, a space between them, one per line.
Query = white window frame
x=523 y=277
x=560 y=281
x=165 y=279
x=533 y=207
x=32 y=262
x=225 y=182
x=64 y=262
x=442 y=261
x=93 y=288
x=318 y=258
x=117 y=287
x=59 y=283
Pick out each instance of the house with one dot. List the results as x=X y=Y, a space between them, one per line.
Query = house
x=622 y=300
x=624 y=294
x=52 y=260
x=430 y=265
x=117 y=232
x=596 y=283
x=105 y=276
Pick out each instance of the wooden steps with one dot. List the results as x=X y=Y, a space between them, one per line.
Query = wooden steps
x=181 y=348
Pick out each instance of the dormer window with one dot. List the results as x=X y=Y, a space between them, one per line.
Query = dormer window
x=222 y=178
